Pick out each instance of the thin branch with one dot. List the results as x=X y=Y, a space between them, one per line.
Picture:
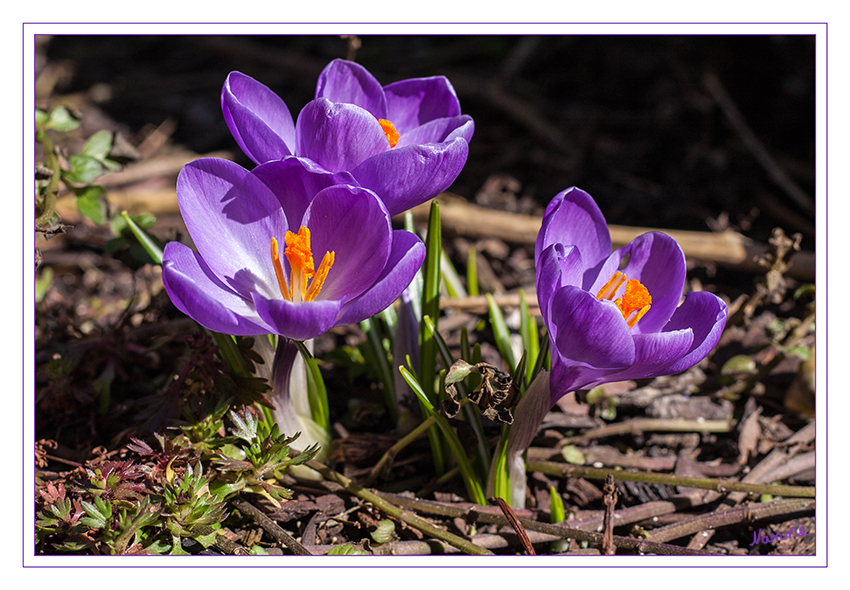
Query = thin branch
x=730 y=516
x=555 y=531
x=515 y=524
x=610 y=502
x=394 y=511
x=705 y=483
x=727 y=248
x=48 y=206
x=270 y=526
x=640 y=425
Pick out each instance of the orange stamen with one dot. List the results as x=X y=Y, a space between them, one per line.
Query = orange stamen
x=300 y=258
x=300 y=261
x=319 y=280
x=634 y=303
x=636 y=299
x=389 y=130
x=278 y=271
x=610 y=289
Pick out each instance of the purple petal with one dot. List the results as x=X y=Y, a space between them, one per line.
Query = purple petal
x=591 y=332
x=349 y=82
x=295 y=181
x=231 y=216
x=353 y=223
x=568 y=376
x=196 y=291
x=414 y=102
x=655 y=354
x=338 y=136
x=573 y=218
x=657 y=261
x=406 y=177
x=705 y=314
x=257 y=117
x=300 y=321
x=437 y=131
x=557 y=266
x=406 y=257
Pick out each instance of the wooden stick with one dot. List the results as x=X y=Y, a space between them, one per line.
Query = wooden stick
x=459 y=217
x=727 y=248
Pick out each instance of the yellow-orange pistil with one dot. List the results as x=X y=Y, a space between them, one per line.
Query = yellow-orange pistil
x=300 y=258
x=389 y=131
x=634 y=303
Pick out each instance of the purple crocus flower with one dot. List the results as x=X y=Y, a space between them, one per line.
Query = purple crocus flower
x=406 y=141
x=610 y=316
x=612 y=322
x=287 y=248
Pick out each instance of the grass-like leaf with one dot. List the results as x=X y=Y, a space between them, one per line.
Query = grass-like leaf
x=473 y=486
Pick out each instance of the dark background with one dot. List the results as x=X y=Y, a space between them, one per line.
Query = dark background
x=627 y=118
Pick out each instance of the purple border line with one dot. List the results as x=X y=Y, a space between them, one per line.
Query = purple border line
x=26 y=260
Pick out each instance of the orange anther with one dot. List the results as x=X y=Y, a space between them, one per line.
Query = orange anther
x=634 y=303
x=389 y=131
x=301 y=269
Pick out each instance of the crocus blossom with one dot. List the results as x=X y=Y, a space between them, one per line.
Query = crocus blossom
x=406 y=141
x=610 y=316
x=610 y=321
x=287 y=248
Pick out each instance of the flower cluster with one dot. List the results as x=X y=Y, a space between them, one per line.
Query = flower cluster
x=304 y=242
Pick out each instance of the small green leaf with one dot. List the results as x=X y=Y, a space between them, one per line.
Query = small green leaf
x=556 y=506
x=41 y=118
x=98 y=145
x=42 y=283
x=99 y=513
x=91 y=201
x=385 y=531
x=61 y=120
x=459 y=371
x=595 y=395
x=207 y=540
x=84 y=169
x=572 y=455
x=738 y=364
x=346 y=549
x=177 y=546
x=801 y=352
